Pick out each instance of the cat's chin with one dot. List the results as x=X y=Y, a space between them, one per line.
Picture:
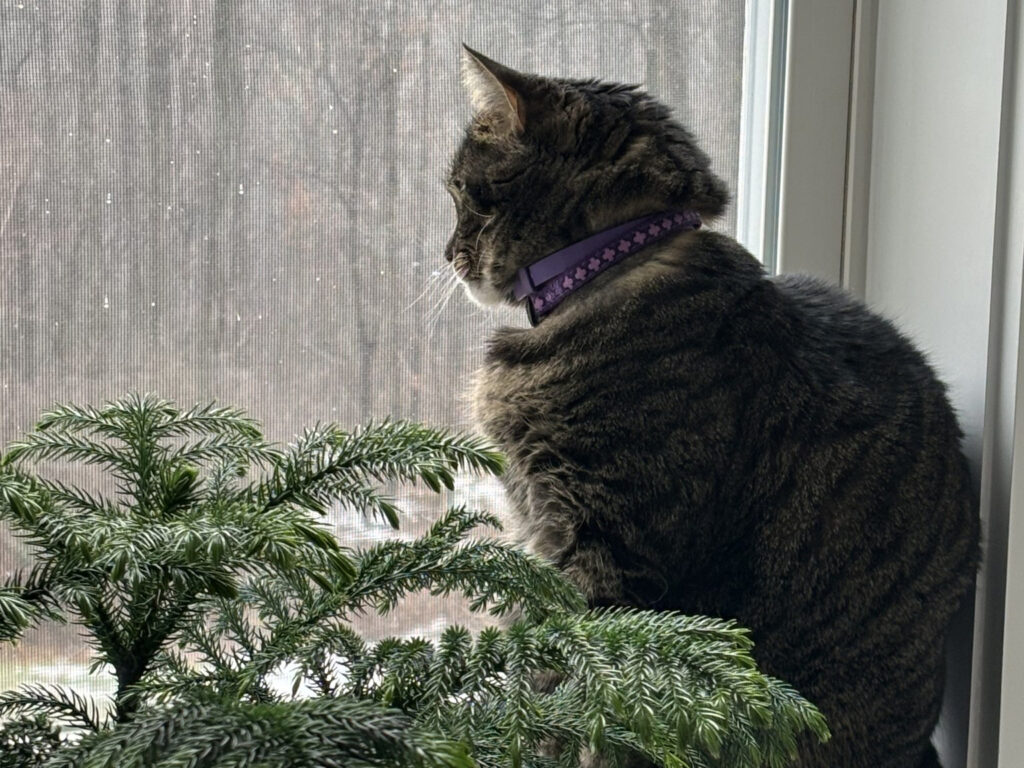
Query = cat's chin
x=482 y=295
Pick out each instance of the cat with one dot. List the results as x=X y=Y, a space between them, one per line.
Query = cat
x=687 y=433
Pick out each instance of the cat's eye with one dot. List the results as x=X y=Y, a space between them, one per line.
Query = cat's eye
x=509 y=177
x=472 y=196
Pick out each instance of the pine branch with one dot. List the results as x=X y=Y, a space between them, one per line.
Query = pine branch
x=69 y=417
x=28 y=506
x=22 y=608
x=55 y=701
x=675 y=688
x=79 y=500
x=173 y=681
x=22 y=500
x=491 y=575
x=210 y=419
x=324 y=733
x=224 y=448
x=404 y=451
x=28 y=741
x=444 y=678
x=56 y=445
x=387 y=452
x=27 y=599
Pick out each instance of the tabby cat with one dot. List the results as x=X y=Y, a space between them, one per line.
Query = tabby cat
x=687 y=433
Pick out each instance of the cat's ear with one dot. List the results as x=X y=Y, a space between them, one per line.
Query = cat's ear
x=495 y=91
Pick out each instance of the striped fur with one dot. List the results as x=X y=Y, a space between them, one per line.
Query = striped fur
x=688 y=434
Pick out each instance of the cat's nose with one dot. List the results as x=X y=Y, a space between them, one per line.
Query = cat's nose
x=449 y=251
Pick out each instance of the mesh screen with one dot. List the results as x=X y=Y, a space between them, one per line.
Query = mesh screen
x=242 y=201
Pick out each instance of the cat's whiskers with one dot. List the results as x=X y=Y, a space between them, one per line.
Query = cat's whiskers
x=445 y=290
x=453 y=287
x=435 y=312
x=435 y=281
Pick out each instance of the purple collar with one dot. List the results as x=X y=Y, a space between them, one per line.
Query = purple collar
x=545 y=283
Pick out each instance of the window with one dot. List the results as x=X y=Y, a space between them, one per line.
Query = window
x=243 y=201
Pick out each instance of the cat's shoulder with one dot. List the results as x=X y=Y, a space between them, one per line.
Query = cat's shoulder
x=832 y=314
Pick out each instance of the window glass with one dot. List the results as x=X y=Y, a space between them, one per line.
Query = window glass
x=243 y=201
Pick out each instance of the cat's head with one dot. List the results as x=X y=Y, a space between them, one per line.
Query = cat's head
x=546 y=162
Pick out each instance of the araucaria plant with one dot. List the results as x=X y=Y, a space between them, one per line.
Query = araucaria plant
x=206 y=569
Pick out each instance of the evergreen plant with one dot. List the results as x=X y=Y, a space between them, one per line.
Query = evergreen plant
x=208 y=566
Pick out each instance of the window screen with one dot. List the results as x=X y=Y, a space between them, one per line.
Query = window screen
x=242 y=201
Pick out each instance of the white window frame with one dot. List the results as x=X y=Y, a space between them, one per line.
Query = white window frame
x=793 y=130
x=761 y=118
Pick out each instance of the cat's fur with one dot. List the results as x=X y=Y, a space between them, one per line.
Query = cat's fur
x=686 y=433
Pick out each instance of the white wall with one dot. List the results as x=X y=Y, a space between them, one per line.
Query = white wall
x=933 y=183
x=932 y=266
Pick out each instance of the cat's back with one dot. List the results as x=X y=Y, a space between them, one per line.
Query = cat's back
x=852 y=355
x=706 y=317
